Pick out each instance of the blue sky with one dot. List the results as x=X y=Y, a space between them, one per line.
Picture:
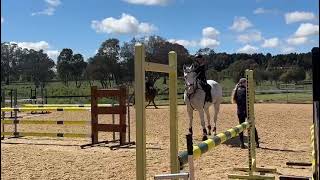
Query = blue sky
x=275 y=26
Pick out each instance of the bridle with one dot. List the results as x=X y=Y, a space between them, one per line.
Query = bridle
x=194 y=86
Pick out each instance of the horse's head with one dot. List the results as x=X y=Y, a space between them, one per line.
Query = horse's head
x=190 y=79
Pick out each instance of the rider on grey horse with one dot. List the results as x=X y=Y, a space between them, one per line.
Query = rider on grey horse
x=200 y=68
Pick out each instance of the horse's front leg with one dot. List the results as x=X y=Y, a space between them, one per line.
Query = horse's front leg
x=203 y=124
x=208 y=118
x=148 y=104
x=190 y=115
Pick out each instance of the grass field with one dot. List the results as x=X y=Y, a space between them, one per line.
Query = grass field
x=59 y=89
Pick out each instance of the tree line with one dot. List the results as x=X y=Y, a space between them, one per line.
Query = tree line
x=114 y=63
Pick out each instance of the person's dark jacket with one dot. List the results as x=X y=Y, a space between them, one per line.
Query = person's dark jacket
x=240 y=98
x=201 y=71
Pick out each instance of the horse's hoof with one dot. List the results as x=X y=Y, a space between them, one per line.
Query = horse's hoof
x=190 y=131
x=209 y=128
x=204 y=138
x=242 y=146
x=204 y=135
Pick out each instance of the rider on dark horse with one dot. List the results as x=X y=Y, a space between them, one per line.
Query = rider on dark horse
x=200 y=68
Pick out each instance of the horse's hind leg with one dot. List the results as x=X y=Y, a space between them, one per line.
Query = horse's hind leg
x=215 y=118
x=206 y=109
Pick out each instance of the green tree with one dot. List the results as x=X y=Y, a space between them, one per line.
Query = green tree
x=293 y=75
x=105 y=66
x=37 y=66
x=237 y=69
x=78 y=66
x=11 y=57
x=64 y=67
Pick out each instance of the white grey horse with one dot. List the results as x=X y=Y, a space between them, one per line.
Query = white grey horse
x=194 y=97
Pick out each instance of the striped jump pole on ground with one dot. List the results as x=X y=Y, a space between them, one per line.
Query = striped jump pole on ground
x=69 y=135
x=205 y=146
x=57 y=122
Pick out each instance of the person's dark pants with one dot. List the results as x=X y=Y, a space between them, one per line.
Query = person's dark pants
x=242 y=119
x=207 y=88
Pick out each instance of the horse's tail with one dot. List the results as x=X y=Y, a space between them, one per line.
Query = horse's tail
x=233 y=94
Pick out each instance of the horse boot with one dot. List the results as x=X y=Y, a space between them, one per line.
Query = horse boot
x=214 y=130
x=204 y=135
x=209 y=128
x=190 y=131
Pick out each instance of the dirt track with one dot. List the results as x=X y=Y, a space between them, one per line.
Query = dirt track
x=283 y=130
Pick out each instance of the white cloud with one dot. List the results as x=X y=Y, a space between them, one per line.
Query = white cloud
x=270 y=43
x=184 y=43
x=210 y=32
x=127 y=24
x=297 y=40
x=264 y=11
x=210 y=43
x=149 y=2
x=307 y=29
x=248 y=49
x=302 y=33
x=209 y=39
x=298 y=16
x=53 y=54
x=259 y=11
x=209 y=35
x=287 y=50
x=49 y=11
x=253 y=36
x=53 y=2
x=34 y=45
x=2 y=19
x=240 y=24
x=51 y=8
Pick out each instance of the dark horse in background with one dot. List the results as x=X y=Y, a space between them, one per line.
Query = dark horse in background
x=151 y=91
